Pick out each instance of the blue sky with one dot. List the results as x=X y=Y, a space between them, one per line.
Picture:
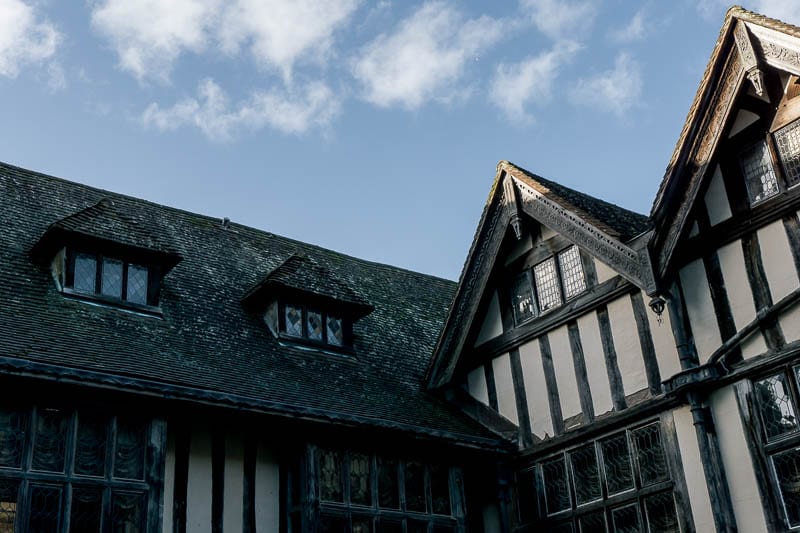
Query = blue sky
x=372 y=128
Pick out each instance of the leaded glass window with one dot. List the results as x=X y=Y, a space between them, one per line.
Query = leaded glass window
x=547 y=284
x=330 y=476
x=293 y=317
x=415 y=487
x=787 y=472
x=759 y=174
x=335 y=332
x=108 y=278
x=440 y=489
x=388 y=488
x=522 y=301
x=620 y=482
x=85 y=276
x=360 y=477
x=788 y=144
x=137 y=284
x=111 y=278
x=66 y=477
x=775 y=406
x=314 y=324
x=572 y=276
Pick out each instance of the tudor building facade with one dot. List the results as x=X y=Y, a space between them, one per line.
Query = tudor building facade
x=594 y=370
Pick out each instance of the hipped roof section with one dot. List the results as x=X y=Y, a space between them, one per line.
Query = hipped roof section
x=708 y=114
x=514 y=192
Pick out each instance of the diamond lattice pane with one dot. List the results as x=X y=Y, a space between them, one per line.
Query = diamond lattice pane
x=585 y=474
x=626 y=519
x=547 y=284
x=775 y=405
x=650 y=454
x=360 y=485
x=85 y=273
x=787 y=470
x=388 y=487
x=314 y=326
x=788 y=141
x=522 y=301
x=90 y=446
x=294 y=321
x=415 y=487
x=758 y=173
x=86 y=510
x=12 y=437
x=556 y=486
x=45 y=501
x=660 y=512
x=617 y=463
x=49 y=440
x=572 y=272
x=137 y=284
x=330 y=476
x=335 y=331
x=440 y=489
x=129 y=450
x=127 y=512
x=593 y=523
x=111 y=278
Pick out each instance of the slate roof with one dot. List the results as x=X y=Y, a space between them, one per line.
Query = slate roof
x=302 y=273
x=617 y=221
x=207 y=346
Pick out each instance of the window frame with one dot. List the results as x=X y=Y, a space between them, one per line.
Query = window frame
x=531 y=483
x=345 y=346
x=533 y=286
x=66 y=270
x=24 y=477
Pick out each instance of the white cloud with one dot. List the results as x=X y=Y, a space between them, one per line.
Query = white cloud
x=293 y=112
x=56 y=78
x=517 y=86
x=149 y=35
x=279 y=32
x=616 y=90
x=24 y=38
x=560 y=19
x=424 y=58
x=633 y=31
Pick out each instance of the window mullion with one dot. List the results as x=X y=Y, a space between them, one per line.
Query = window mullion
x=98 y=274
x=124 y=288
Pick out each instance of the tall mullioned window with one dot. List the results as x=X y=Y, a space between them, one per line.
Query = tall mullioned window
x=62 y=470
x=619 y=483
x=548 y=285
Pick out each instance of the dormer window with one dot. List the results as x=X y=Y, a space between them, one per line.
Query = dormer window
x=107 y=277
x=764 y=177
x=553 y=281
x=303 y=302
x=759 y=174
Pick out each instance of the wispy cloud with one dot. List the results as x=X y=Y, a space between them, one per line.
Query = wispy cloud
x=616 y=90
x=150 y=35
x=25 y=38
x=515 y=87
x=424 y=57
x=280 y=32
x=785 y=10
x=633 y=31
x=560 y=19
x=292 y=112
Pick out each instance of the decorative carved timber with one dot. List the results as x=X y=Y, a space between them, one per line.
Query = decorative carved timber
x=606 y=248
x=481 y=260
x=747 y=56
x=776 y=49
x=708 y=136
x=510 y=201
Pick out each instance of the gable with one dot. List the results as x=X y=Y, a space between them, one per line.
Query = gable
x=527 y=218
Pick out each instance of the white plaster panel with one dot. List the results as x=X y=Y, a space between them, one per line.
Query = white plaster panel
x=492 y=323
x=169 y=481
x=696 y=484
x=267 y=490
x=735 y=457
x=504 y=383
x=476 y=383
x=669 y=363
x=790 y=323
x=734 y=273
x=536 y=389
x=627 y=345
x=595 y=363
x=565 y=372
x=778 y=262
x=701 y=309
x=233 y=504
x=199 y=486
x=604 y=272
x=743 y=119
x=716 y=199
